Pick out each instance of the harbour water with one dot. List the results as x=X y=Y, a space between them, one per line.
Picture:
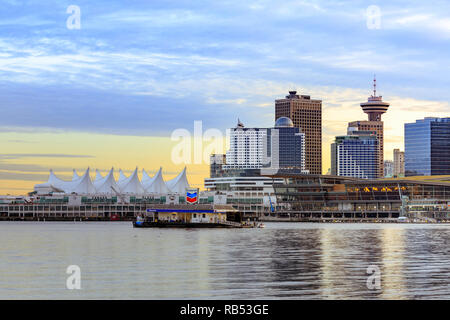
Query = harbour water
x=284 y=260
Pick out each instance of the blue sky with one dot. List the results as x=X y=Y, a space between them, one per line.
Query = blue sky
x=138 y=70
x=148 y=67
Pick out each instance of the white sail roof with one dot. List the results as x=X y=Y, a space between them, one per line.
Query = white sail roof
x=54 y=180
x=156 y=184
x=107 y=185
x=53 y=184
x=98 y=175
x=82 y=186
x=75 y=175
x=123 y=179
x=132 y=184
x=145 y=176
x=99 y=179
x=179 y=184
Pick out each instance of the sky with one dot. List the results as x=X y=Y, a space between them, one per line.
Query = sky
x=111 y=92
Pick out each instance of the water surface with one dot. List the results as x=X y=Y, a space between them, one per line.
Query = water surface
x=284 y=260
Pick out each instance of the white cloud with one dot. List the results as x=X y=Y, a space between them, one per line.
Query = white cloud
x=433 y=24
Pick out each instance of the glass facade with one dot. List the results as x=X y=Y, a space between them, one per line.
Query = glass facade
x=427 y=147
x=355 y=156
x=316 y=197
x=291 y=148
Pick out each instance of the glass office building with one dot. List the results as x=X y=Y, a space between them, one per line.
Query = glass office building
x=253 y=148
x=286 y=145
x=427 y=147
x=355 y=155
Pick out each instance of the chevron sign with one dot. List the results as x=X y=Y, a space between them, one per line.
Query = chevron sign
x=192 y=196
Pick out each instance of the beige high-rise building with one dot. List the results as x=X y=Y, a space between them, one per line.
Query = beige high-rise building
x=374 y=107
x=306 y=114
x=399 y=163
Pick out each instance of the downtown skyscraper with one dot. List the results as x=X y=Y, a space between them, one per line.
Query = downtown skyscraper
x=374 y=107
x=282 y=146
x=355 y=155
x=306 y=114
x=427 y=147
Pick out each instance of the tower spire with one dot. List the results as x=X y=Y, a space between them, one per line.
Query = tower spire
x=375 y=106
x=374 y=85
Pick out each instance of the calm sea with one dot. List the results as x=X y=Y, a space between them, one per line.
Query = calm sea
x=284 y=260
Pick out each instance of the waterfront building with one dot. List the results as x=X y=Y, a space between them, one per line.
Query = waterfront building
x=57 y=207
x=107 y=186
x=388 y=168
x=374 y=107
x=327 y=198
x=399 y=163
x=355 y=155
x=250 y=195
x=275 y=194
x=306 y=114
x=253 y=148
x=427 y=147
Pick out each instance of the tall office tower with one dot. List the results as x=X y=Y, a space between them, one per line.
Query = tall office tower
x=399 y=163
x=355 y=155
x=247 y=148
x=287 y=146
x=254 y=148
x=306 y=115
x=216 y=163
x=374 y=107
x=388 y=168
x=427 y=147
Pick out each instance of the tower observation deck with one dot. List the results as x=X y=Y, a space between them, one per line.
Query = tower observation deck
x=375 y=106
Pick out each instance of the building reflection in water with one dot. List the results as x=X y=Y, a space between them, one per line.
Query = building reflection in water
x=284 y=260
x=269 y=263
x=346 y=252
x=294 y=266
x=392 y=263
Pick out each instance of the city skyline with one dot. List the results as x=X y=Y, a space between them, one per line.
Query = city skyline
x=224 y=156
x=96 y=97
x=65 y=162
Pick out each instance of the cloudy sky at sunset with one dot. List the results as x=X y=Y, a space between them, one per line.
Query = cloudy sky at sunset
x=111 y=93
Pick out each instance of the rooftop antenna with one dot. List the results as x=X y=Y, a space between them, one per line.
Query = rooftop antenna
x=374 y=85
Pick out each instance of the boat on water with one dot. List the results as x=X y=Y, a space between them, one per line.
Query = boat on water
x=182 y=224
x=192 y=217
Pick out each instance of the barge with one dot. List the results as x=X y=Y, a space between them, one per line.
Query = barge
x=168 y=224
x=192 y=217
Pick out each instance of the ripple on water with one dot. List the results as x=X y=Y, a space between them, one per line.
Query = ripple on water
x=284 y=260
